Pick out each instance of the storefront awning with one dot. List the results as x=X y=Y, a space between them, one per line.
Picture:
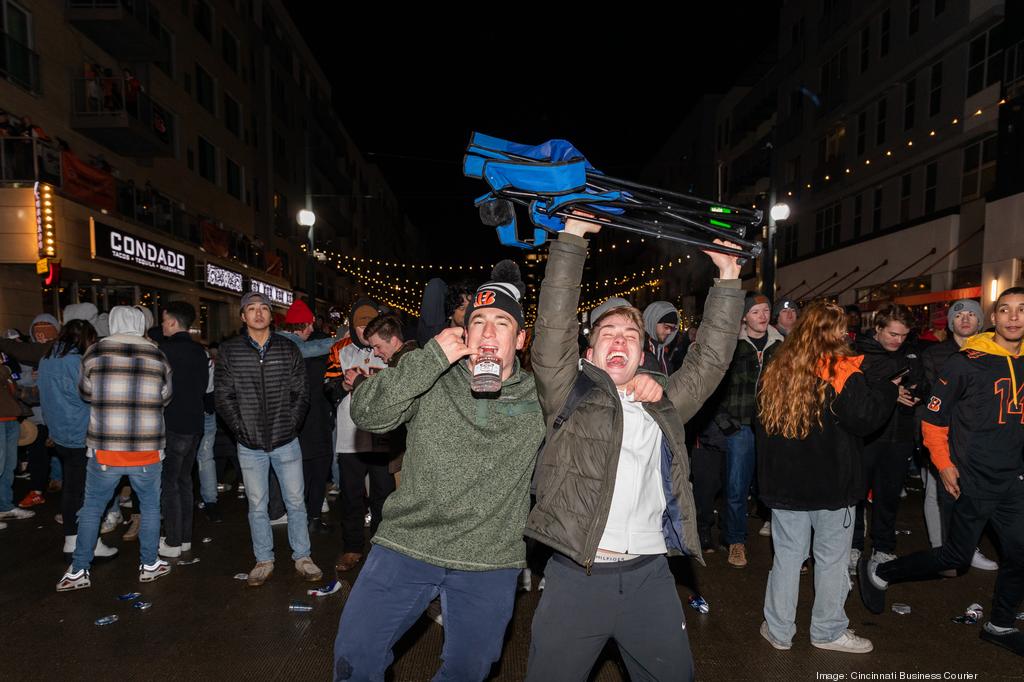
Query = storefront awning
x=939 y=296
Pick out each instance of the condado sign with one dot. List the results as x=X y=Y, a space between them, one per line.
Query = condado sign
x=113 y=244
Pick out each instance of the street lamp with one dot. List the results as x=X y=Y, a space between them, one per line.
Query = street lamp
x=307 y=219
x=780 y=211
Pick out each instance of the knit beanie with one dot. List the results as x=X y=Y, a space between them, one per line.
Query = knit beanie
x=504 y=292
x=299 y=313
x=784 y=304
x=752 y=299
x=968 y=305
x=362 y=315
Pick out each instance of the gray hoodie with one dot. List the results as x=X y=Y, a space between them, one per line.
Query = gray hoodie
x=652 y=313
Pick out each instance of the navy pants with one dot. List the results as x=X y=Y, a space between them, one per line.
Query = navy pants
x=393 y=590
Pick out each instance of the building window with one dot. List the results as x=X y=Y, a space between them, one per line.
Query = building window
x=906 y=184
x=18 y=63
x=914 y=17
x=167 y=41
x=880 y=113
x=788 y=243
x=909 y=103
x=207 y=160
x=931 y=180
x=233 y=179
x=862 y=132
x=833 y=73
x=979 y=168
x=202 y=18
x=985 y=60
x=232 y=115
x=826 y=226
x=205 y=90
x=935 y=92
x=865 y=48
x=229 y=49
x=876 y=210
x=792 y=171
x=884 y=33
x=858 y=214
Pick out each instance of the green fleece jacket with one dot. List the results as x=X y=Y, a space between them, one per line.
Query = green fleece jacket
x=465 y=490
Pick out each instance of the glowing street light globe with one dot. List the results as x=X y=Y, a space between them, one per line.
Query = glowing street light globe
x=780 y=211
x=306 y=218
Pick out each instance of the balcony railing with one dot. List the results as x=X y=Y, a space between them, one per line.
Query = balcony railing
x=25 y=160
x=116 y=113
x=19 y=64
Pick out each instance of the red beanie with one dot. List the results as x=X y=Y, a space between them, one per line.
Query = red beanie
x=299 y=313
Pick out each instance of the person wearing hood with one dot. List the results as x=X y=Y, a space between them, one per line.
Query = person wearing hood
x=357 y=450
x=973 y=426
x=888 y=450
x=964 y=321
x=444 y=305
x=661 y=327
x=736 y=415
x=44 y=330
x=126 y=379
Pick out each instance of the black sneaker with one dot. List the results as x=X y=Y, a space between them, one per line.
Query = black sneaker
x=872 y=595
x=1014 y=641
x=319 y=527
x=212 y=512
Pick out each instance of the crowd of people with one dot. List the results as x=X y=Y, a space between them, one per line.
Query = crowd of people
x=470 y=446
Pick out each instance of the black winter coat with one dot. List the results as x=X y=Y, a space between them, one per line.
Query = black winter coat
x=315 y=434
x=185 y=414
x=262 y=401
x=826 y=469
x=879 y=366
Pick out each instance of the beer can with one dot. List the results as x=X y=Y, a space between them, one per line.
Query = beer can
x=106 y=620
x=300 y=607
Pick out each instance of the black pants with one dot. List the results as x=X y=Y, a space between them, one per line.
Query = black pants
x=634 y=602
x=885 y=468
x=354 y=467
x=39 y=461
x=315 y=471
x=176 y=496
x=708 y=468
x=72 y=493
x=971 y=511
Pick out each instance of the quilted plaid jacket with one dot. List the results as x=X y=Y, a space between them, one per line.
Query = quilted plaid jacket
x=127 y=380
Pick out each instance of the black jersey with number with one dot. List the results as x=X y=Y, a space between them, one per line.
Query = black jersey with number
x=975 y=416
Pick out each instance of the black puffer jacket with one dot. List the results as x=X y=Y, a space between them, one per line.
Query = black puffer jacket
x=879 y=366
x=262 y=401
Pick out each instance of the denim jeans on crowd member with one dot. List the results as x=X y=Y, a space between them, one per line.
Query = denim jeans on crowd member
x=204 y=459
x=739 y=474
x=8 y=462
x=287 y=463
x=391 y=593
x=176 y=496
x=100 y=482
x=72 y=494
x=791 y=536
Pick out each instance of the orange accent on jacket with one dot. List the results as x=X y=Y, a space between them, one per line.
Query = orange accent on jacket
x=127 y=458
x=845 y=367
x=936 y=439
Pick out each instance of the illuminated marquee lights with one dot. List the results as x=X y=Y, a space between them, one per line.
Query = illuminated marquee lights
x=45 y=235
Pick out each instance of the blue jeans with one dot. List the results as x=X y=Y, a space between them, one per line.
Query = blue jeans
x=8 y=461
x=100 y=482
x=287 y=463
x=739 y=474
x=791 y=535
x=204 y=459
x=390 y=594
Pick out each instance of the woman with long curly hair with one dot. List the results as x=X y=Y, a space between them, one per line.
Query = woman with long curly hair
x=815 y=407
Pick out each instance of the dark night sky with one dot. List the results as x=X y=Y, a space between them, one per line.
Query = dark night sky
x=411 y=94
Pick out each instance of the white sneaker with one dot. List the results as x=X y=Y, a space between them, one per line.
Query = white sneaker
x=111 y=521
x=982 y=562
x=766 y=633
x=324 y=508
x=525 y=580
x=2 y=525
x=766 y=530
x=367 y=519
x=17 y=514
x=166 y=550
x=150 y=572
x=854 y=558
x=847 y=643
x=186 y=547
x=102 y=551
x=541 y=585
x=882 y=557
x=283 y=520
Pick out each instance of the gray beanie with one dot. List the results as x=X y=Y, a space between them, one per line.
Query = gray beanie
x=606 y=307
x=968 y=305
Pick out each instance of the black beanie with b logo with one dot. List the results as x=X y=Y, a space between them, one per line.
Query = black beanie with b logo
x=504 y=292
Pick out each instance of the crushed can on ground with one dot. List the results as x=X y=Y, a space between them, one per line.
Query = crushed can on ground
x=699 y=604
x=300 y=607
x=107 y=620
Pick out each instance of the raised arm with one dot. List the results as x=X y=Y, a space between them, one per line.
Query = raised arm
x=555 y=353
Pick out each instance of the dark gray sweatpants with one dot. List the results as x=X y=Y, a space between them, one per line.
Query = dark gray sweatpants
x=634 y=602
